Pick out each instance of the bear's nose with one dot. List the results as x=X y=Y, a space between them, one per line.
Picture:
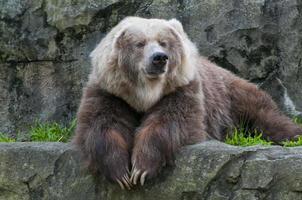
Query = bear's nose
x=159 y=59
x=157 y=66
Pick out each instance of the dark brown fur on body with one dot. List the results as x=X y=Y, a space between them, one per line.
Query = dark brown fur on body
x=171 y=123
x=105 y=131
x=230 y=100
x=194 y=100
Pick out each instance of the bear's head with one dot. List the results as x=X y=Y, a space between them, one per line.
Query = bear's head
x=140 y=60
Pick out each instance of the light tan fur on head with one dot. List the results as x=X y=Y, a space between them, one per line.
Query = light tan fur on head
x=137 y=89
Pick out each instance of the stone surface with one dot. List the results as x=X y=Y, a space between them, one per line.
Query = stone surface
x=45 y=44
x=207 y=171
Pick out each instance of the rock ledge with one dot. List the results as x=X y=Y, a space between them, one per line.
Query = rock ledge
x=210 y=170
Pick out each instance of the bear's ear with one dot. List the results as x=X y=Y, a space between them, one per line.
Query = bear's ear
x=119 y=40
x=177 y=25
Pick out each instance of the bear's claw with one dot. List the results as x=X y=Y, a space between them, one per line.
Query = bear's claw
x=134 y=175
x=125 y=181
x=138 y=174
x=121 y=184
x=143 y=176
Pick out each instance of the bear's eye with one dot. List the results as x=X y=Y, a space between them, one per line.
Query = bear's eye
x=140 y=44
x=163 y=43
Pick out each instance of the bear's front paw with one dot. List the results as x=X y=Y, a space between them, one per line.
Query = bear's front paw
x=116 y=168
x=146 y=163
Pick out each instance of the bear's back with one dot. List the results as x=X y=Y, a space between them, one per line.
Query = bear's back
x=217 y=102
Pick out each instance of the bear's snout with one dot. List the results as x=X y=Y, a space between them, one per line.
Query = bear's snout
x=158 y=63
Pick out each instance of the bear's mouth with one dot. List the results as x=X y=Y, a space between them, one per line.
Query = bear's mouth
x=154 y=74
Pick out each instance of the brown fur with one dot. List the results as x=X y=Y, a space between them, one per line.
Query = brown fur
x=121 y=129
x=105 y=132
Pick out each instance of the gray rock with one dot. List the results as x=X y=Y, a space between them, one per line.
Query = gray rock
x=33 y=171
x=44 y=48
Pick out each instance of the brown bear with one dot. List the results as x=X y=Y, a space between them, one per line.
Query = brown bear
x=149 y=93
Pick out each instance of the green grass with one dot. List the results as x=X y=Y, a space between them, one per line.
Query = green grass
x=240 y=137
x=51 y=132
x=298 y=120
x=44 y=132
x=4 y=138
x=296 y=143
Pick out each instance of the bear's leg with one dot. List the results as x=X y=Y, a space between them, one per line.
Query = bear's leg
x=251 y=104
x=176 y=120
x=104 y=134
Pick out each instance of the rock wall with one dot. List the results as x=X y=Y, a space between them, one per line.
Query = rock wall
x=45 y=44
x=207 y=171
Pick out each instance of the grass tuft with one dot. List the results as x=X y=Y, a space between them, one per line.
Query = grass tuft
x=51 y=132
x=298 y=142
x=240 y=137
x=298 y=120
x=4 y=138
x=288 y=143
